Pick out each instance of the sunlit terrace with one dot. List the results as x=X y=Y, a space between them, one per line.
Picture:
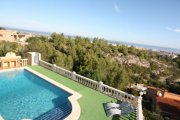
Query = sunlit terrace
x=91 y=102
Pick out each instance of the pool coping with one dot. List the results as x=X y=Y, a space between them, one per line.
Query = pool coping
x=75 y=113
x=1 y=118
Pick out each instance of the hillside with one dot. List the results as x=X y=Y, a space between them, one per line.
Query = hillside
x=118 y=66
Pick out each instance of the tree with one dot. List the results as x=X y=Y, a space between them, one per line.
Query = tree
x=132 y=50
x=58 y=58
x=6 y=46
x=122 y=79
x=37 y=39
x=123 y=49
x=143 y=54
x=2 y=28
x=45 y=48
x=151 y=115
x=96 y=59
x=153 y=65
x=69 y=62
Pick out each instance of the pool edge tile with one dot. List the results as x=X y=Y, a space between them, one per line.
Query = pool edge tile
x=1 y=118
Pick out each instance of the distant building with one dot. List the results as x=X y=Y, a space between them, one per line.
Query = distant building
x=167 y=54
x=173 y=56
x=169 y=103
x=14 y=36
x=140 y=48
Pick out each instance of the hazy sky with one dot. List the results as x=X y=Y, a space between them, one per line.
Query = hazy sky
x=153 y=22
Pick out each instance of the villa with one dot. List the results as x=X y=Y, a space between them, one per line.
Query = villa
x=57 y=93
x=14 y=36
x=167 y=54
x=169 y=103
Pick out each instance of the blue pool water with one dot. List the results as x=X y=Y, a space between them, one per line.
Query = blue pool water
x=24 y=95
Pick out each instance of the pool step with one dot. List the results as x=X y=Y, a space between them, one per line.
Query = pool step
x=58 y=113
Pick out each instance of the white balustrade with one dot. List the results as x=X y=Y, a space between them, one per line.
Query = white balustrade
x=45 y=64
x=99 y=86
x=63 y=72
x=118 y=94
x=87 y=82
x=24 y=62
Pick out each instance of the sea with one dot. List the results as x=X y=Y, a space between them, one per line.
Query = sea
x=151 y=47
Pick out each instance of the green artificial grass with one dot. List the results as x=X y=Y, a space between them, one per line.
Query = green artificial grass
x=91 y=102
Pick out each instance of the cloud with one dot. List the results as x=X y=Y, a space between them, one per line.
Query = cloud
x=173 y=29
x=177 y=30
x=116 y=8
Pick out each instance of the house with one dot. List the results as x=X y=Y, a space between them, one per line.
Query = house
x=10 y=60
x=14 y=36
x=167 y=54
x=169 y=103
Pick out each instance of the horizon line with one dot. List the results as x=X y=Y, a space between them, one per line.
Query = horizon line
x=120 y=41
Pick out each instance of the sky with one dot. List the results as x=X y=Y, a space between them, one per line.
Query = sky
x=151 y=22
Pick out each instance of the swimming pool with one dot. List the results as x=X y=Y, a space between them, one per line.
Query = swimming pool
x=24 y=95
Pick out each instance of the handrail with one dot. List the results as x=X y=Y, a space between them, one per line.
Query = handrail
x=119 y=91
x=86 y=78
x=24 y=62
x=108 y=90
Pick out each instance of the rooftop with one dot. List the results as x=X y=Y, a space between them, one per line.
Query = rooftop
x=91 y=102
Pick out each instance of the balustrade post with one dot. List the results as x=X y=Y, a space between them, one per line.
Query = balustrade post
x=73 y=75
x=139 y=109
x=100 y=86
x=39 y=56
x=53 y=67
x=2 y=64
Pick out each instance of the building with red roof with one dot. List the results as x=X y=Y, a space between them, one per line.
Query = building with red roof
x=169 y=103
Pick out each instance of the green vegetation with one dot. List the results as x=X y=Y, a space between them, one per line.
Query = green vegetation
x=150 y=110
x=6 y=46
x=2 y=28
x=114 y=65
x=84 y=57
x=152 y=115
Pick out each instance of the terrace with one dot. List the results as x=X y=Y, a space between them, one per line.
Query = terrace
x=91 y=102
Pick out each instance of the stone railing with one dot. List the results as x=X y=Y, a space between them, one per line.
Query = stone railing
x=86 y=81
x=118 y=94
x=56 y=69
x=24 y=62
x=45 y=64
x=99 y=86
x=62 y=71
